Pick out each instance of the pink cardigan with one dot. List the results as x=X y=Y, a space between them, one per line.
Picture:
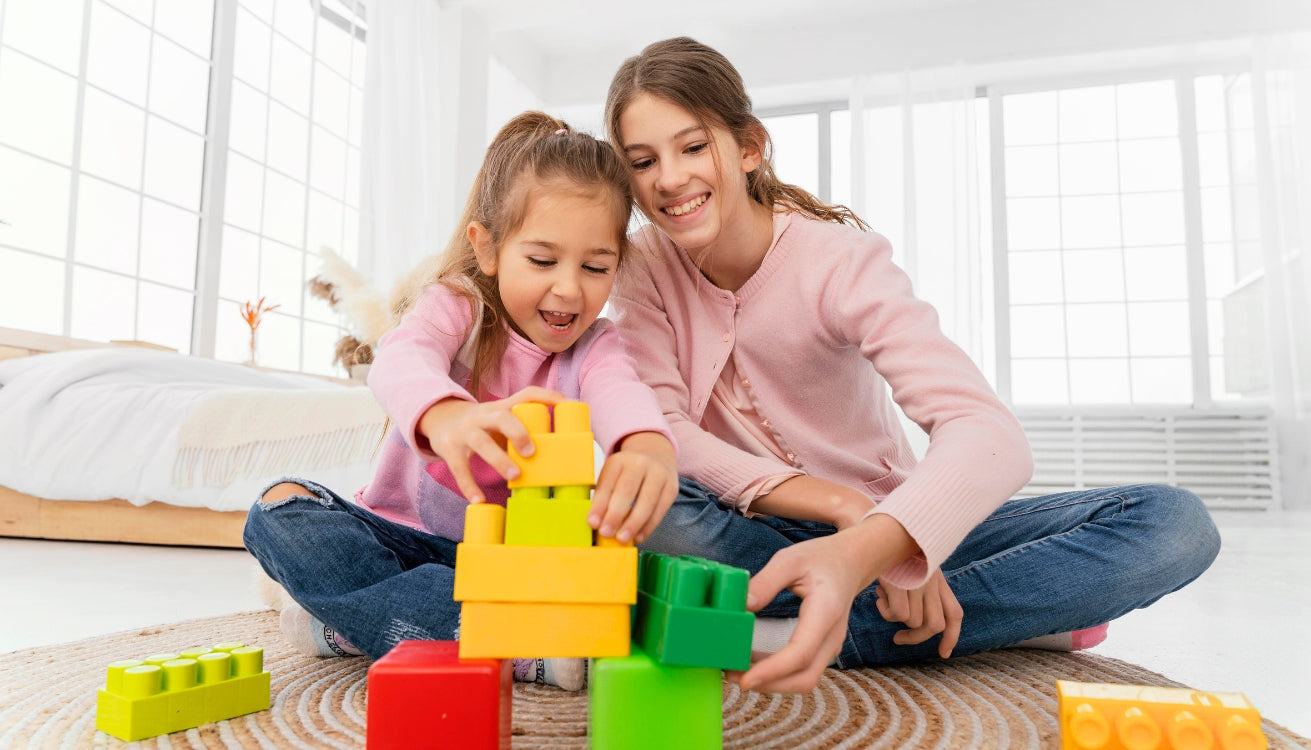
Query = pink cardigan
x=820 y=334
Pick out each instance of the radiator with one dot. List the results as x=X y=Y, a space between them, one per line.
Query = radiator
x=1227 y=457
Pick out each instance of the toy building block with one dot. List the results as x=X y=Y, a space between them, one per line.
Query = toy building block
x=581 y=575
x=692 y=611
x=1097 y=716
x=550 y=498
x=636 y=703
x=421 y=695
x=521 y=601
x=543 y=629
x=168 y=693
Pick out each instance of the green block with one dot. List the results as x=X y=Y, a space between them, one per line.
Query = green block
x=692 y=611
x=553 y=522
x=168 y=693
x=636 y=703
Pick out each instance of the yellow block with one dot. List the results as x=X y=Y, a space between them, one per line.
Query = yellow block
x=506 y=630
x=560 y=457
x=1097 y=716
x=509 y=573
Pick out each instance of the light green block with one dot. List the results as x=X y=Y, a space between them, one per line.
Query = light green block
x=554 y=522
x=636 y=703
x=166 y=693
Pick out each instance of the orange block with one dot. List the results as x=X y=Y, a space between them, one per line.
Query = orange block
x=510 y=573
x=1097 y=716
x=504 y=630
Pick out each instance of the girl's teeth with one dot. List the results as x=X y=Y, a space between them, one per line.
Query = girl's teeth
x=683 y=208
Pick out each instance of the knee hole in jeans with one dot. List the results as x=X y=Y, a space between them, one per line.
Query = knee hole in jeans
x=279 y=492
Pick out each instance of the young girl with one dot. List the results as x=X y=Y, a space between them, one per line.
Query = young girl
x=778 y=334
x=509 y=315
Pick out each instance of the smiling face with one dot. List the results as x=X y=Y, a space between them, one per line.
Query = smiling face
x=555 y=271
x=689 y=181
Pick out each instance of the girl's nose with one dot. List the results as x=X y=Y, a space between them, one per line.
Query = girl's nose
x=567 y=286
x=669 y=176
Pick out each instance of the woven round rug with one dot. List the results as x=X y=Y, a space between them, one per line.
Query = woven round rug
x=1004 y=699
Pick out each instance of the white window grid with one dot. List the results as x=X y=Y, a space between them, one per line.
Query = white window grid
x=92 y=293
x=1219 y=237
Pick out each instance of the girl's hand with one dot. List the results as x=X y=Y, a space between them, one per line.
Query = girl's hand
x=926 y=611
x=826 y=572
x=637 y=485
x=457 y=429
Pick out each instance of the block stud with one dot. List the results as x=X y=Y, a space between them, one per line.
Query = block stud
x=215 y=667
x=484 y=523
x=1240 y=734
x=179 y=674
x=1088 y=729
x=1137 y=730
x=247 y=660
x=114 y=675
x=142 y=682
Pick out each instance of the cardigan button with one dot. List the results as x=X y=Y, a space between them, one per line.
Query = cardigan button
x=792 y=456
x=746 y=382
x=727 y=336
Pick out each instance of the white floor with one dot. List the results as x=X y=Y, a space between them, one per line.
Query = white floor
x=1241 y=627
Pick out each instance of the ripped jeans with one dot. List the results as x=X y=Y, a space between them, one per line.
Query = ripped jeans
x=376 y=582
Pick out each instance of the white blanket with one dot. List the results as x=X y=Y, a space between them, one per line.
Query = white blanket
x=148 y=426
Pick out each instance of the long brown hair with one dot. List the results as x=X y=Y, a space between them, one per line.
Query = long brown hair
x=702 y=81
x=531 y=149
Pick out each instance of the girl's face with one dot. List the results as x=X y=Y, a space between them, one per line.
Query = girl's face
x=690 y=182
x=555 y=271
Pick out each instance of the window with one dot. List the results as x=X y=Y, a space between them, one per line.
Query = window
x=1126 y=243
x=292 y=184
x=1132 y=248
x=102 y=148
x=142 y=138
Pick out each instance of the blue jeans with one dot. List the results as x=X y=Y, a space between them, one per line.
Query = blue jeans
x=376 y=582
x=1036 y=566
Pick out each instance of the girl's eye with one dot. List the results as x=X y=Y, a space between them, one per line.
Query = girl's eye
x=541 y=262
x=697 y=148
x=641 y=164
x=599 y=270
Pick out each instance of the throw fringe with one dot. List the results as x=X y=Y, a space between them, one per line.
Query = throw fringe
x=219 y=467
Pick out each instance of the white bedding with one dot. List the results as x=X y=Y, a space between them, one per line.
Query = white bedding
x=145 y=426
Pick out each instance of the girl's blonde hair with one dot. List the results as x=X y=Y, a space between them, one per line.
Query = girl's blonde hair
x=702 y=81
x=531 y=150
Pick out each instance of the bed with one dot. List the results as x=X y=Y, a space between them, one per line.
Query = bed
x=126 y=442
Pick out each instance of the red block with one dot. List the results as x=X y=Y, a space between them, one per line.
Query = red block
x=422 y=695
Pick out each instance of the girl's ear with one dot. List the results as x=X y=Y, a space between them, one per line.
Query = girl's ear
x=481 y=239
x=753 y=150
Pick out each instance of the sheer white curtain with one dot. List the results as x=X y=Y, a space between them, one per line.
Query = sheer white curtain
x=916 y=179
x=425 y=123
x=1282 y=99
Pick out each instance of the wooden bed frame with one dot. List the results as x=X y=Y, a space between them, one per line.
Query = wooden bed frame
x=24 y=515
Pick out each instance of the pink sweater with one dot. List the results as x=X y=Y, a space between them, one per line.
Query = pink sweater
x=416 y=367
x=820 y=334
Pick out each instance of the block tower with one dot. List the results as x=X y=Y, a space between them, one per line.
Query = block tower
x=530 y=579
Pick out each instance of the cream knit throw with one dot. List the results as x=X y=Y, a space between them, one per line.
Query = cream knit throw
x=276 y=432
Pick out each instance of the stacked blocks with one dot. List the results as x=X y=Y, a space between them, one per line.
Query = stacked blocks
x=637 y=703
x=692 y=611
x=168 y=693
x=1095 y=716
x=530 y=580
x=422 y=695
x=690 y=622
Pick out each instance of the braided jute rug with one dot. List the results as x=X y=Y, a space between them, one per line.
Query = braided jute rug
x=1004 y=699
